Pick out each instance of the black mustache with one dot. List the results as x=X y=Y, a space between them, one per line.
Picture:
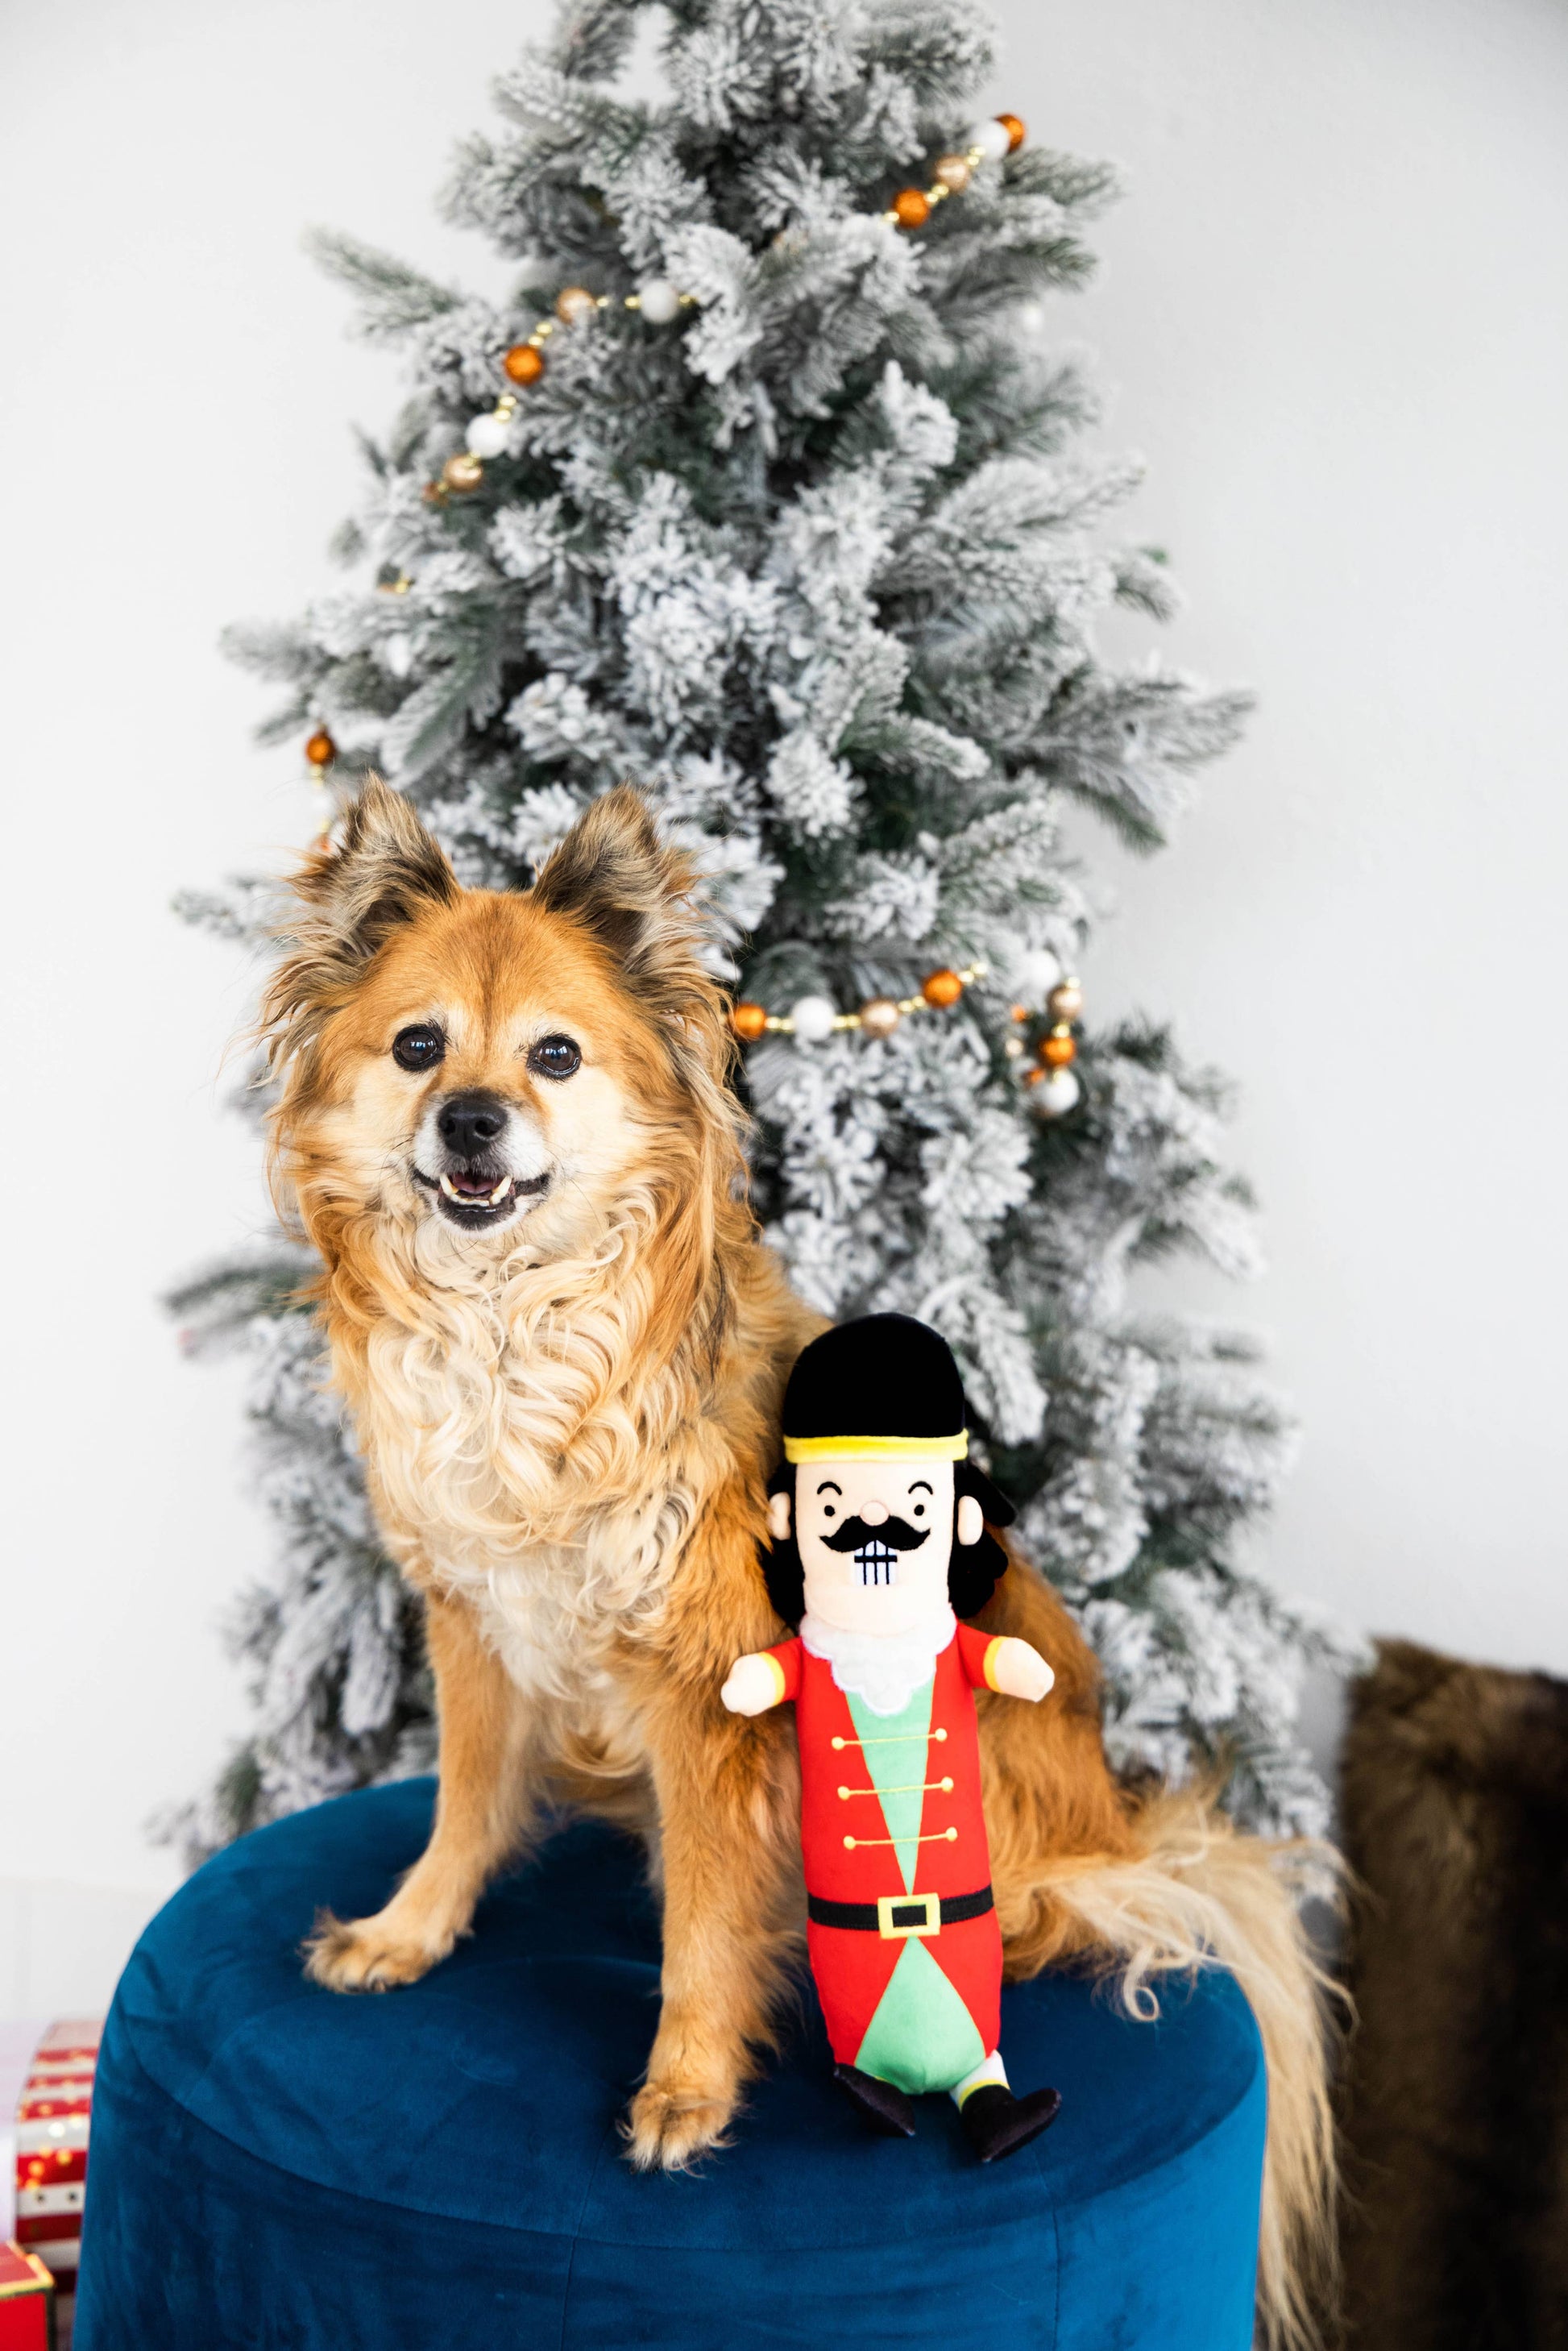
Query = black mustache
x=897 y=1533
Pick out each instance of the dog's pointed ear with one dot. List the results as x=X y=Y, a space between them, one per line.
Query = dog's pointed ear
x=349 y=901
x=384 y=869
x=614 y=875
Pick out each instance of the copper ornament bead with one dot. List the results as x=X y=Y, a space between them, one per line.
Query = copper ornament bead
x=880 y=1016
x=1057 y=1050
x=321 y=750
x=748 y=1021
x=524 y=363
x=1065 y=1001
x=940 y=989
x=1014 y=126
x=953 y=172
x=573 y=303
x=911 y=208
x=464 y=472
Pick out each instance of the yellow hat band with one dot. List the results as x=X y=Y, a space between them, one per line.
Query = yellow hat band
x=925 y=1448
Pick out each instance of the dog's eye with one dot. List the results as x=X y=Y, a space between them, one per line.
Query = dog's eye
x=555 y=1057
x=419 y=1048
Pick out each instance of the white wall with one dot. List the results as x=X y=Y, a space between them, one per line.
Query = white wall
x=1336 y=308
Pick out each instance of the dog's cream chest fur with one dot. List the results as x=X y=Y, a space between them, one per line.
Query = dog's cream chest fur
x=563 y=1532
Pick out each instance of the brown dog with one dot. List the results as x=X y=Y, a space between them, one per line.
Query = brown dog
x=505 y=1124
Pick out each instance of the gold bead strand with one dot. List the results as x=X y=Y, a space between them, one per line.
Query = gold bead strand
x=814 y=1019
x=523 y=364
x=951 y=174
x=660 y=302
x=1057 y=1085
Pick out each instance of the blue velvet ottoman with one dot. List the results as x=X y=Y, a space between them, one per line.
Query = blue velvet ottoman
x=277 y=2166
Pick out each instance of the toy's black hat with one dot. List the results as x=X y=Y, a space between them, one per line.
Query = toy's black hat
x=888 y=1384
x=885 y=1383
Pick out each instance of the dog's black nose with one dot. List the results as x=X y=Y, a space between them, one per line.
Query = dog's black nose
x=468 y=1123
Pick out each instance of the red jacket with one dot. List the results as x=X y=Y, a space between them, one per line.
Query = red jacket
x=850 y=1855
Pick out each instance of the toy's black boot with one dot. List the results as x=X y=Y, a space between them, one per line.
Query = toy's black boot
x=996 y=2123
x=880 y=2102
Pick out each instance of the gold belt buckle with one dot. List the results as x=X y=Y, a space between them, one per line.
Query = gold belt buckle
x=899 y=1915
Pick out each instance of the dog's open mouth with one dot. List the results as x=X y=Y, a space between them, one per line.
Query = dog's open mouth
x=472 y=1198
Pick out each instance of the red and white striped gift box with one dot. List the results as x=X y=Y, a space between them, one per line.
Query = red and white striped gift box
x=53 y=2115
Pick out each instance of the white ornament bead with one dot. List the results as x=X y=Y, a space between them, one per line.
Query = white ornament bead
x=1056 y=1093
x=489 y=436
x=659 y=301
x=1037 y=974
x=397 y=655
x=992 y=140
x=813 y=1017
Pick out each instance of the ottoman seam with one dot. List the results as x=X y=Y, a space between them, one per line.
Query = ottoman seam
x=578 y=2233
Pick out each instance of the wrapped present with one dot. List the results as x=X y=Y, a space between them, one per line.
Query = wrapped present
x=52 y=2121
x=26 y=2301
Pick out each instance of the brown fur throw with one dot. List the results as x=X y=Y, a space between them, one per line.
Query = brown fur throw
x=1456 y=1822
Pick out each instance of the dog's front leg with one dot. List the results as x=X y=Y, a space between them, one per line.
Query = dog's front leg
x=482 y=1809
x=727 y=1793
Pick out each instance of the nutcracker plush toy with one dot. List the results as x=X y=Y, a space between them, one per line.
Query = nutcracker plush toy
x=878 y=1546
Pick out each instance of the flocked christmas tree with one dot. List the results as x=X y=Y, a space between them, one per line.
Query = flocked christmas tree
x=758 y=493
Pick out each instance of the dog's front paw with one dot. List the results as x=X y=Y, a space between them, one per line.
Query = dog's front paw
x=670 y=2125
x=368 y=1954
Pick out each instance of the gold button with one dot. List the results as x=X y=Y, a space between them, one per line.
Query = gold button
x=952 y=1836
x=837 y=1743
x=947 y=1787
x=938 y=1734
x=849 y=1845
x=844 y=1792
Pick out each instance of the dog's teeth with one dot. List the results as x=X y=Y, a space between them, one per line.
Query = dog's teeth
x=476 y=1200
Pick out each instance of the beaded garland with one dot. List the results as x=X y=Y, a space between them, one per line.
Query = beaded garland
x=814 y=1019
x=657 y=299
x=1053 y=1082
x=951 y=174
x=661 y=301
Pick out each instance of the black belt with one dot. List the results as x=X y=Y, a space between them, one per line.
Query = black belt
x=898 y=1914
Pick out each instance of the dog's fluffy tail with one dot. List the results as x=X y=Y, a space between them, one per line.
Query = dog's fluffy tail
x=1195 y=1891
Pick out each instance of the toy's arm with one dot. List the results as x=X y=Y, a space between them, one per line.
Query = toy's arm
x=763 y=1679
x=1000 y=1662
